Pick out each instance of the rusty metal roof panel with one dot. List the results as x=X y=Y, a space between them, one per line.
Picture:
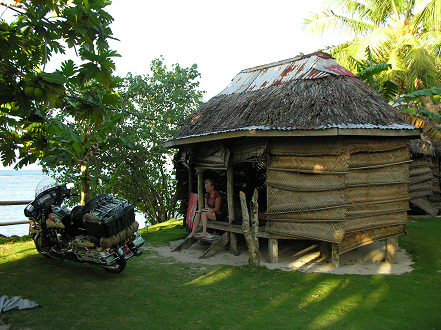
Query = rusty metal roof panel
x=312 y=66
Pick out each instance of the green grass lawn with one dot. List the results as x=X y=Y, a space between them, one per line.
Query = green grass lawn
x=155 y=292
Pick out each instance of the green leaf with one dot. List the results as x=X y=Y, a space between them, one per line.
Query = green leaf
x=64 y=129
x=54 y=77
x=68 y=68
x=389 y=90
x=374 y=70
x=78 y=147
x=418 y=94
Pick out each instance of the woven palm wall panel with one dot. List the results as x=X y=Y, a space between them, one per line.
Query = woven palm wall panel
x=435 y=197
x=422 y=179
x=320 y=188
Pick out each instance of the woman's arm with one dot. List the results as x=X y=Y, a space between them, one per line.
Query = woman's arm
x=218 y=204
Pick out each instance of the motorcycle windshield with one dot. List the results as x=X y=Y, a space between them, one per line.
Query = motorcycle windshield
x=45 y=184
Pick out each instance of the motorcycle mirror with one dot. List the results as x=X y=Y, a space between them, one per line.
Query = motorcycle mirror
x=69 y=185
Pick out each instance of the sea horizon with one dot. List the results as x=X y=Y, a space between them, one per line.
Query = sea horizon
x=19 y=185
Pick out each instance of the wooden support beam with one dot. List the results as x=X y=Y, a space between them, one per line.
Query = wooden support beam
x=323 y=250
x=273 y=250
x=201 y=190
x=230 y=194
x=391 y=249
x=312 y=247
x=190 y=180
x=230 y=203
x=335 y=256
x=254 y=208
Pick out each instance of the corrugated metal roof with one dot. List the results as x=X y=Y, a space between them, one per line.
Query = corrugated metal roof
x=394 y=126
x=312 y=66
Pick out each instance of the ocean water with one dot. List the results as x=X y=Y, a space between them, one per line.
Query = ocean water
x=19 y=186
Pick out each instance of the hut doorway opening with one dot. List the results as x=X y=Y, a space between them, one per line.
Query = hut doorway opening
x=246 y=177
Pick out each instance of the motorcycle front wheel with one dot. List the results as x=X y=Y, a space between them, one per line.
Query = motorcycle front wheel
x=42 y=245
x=119 y=266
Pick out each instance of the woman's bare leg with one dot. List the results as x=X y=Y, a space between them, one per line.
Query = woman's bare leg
x=205 y=217
x=197 y=219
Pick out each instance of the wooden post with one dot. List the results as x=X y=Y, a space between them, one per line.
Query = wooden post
x=391 y=249
x=273 y=250
x=254 y=259
x=249 y=179
x=190 y=181
x=335 y=256
x=323 y=250
x=255 y=219
x=201 y=190
x=230 y=201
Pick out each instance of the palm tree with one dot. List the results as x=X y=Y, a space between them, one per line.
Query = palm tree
x=403 y=33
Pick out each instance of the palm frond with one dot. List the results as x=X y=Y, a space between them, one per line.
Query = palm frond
x=431 y=40
x=418 y=94
x=374 y=70
x=389 y=90
x=330 y=22
x=416 y=120
x=378 y=42
x=428 y=13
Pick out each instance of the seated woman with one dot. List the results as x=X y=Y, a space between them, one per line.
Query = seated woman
x=214 y=209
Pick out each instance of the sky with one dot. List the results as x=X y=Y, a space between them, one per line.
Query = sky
x=221 y=37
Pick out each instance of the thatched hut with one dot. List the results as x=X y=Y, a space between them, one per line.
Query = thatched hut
x=329 y=157
x=424 y=171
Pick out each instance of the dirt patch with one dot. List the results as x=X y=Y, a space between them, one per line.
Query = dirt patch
x=366 y=260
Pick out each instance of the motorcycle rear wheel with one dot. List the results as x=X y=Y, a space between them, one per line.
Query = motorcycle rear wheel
x=42 y=245
x=119 y=266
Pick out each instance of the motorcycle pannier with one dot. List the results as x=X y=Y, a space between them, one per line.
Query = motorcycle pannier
x=109 y=216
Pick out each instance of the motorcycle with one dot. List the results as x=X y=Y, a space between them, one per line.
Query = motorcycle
x=103 y=232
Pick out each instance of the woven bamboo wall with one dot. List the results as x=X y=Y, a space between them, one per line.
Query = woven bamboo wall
x=435 y=197
x=421 y=178
x=338 y=190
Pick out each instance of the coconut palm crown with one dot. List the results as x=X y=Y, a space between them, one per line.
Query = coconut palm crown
x=403 y=33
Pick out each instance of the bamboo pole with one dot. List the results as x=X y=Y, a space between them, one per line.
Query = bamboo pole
x=312 y=247
x=254 y=259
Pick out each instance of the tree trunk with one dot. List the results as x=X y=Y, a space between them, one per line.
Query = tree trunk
x=254 y=259
x=254 y=208
x=428 y=103
x=427 y=100
x=85 y=184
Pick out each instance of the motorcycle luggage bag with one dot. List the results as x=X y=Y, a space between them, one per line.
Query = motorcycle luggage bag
x=108 y=216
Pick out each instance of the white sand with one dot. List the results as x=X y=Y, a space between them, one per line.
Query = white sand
x=366 y=260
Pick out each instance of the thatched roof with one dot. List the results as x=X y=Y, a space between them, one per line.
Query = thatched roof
x=309 y=93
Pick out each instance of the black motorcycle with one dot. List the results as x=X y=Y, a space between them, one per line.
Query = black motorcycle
x=103 y=232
